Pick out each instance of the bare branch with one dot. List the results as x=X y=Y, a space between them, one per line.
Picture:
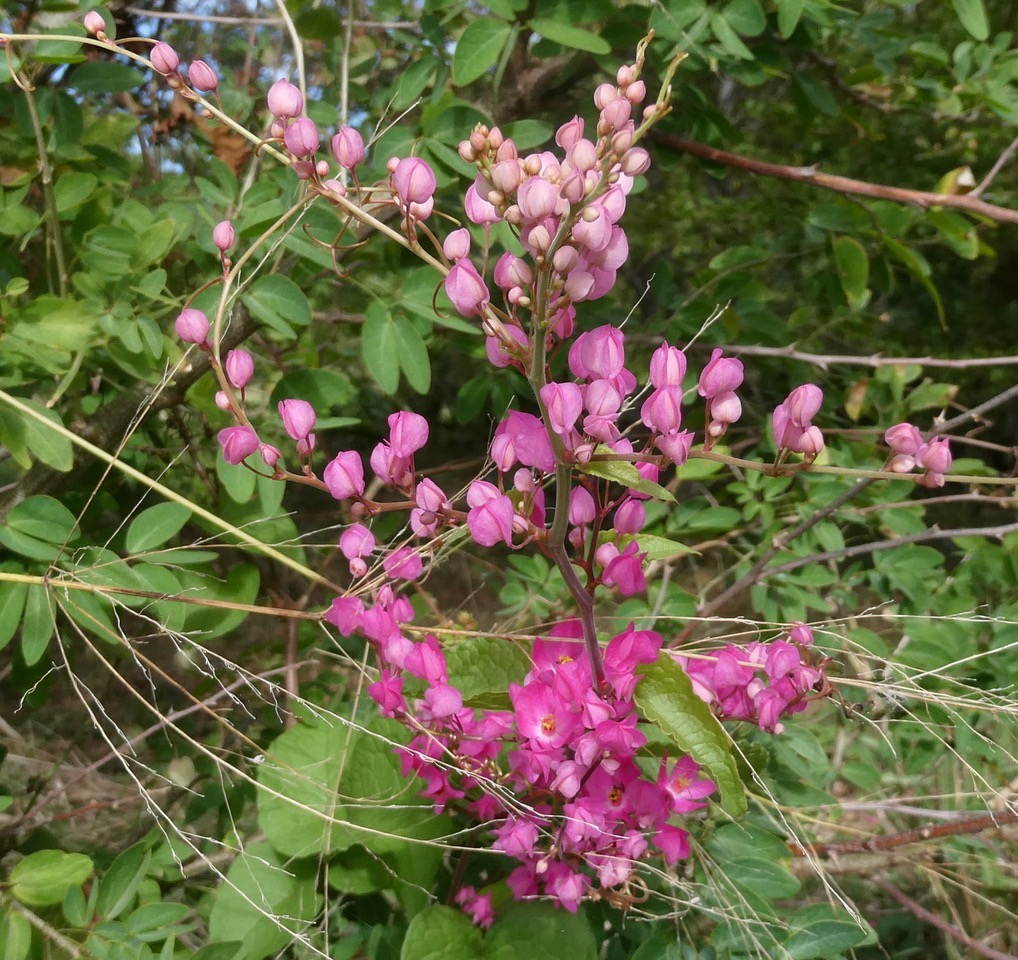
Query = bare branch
x=874 y=360
x=970 y=203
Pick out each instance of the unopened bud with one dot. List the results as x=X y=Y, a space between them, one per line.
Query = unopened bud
x=223 y=235
x=164 y=59
x=95 y=24
x=202 y=76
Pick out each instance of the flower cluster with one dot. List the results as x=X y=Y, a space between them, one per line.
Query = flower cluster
x=761 y=682
x=792 y=422
x=911 y=451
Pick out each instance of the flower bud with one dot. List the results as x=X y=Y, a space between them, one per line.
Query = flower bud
x=298 y=418
x=721 y=375
x=604 y=95
x=936 y=457
x=479 y=210
x=192 y=326
x=239 y=368
x=270 y=455
x=202 y=76
x=667 y=366
x=414 y=181
x=506 y=175
x=301 y=137
x=348 y=148
x=636 y=92
x=635 y=161
x=583 y=155
x=222 y=400
x=457 y=244
x=569 y=133
x=164 y=59
x=904 y=438
x=238 y=443
x=466 y=289
x=467 y=152
x=344 y=476
x=616 y=114
x=223 y=235
x=726 y=408
x=624 y=76
x=285 y=100
x=94 y=23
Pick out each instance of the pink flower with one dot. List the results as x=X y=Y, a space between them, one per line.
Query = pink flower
x=667 y=366
x=936 y=457
x=238 y=443
x=239 y=368
x=477 y=207
x=285 y=100
x=456 y=246
x=721 y=375
x=192 y=326
x=202 y=76
x=298 y=418
x=625 y=571
x=344 y=475
x=414 y=181
x=569 y=133
x=490 y=518
x=302 y=138
x=903 y=438
x=466 y=289
x=403 y=564
x=537 y=198
x=270 y=455
x=348 y=147
x=387 y=692
x=662 y=410
x=164 y=59
x=564 y=403
x=803 y=403
x=522 y=437
x=345 y=614
x=676 y=446
x=408 y=433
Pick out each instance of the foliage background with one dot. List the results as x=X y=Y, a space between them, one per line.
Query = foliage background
x=136 y=726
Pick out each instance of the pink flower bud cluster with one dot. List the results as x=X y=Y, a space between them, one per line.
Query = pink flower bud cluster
x=759 y=683
x=718 y=382
x=792 y=422
x=911 y=451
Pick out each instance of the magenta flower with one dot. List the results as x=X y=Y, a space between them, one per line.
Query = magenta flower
x=344 y=475
x=522 y=437
x=202 y=76
x=537 y=198
x=285 y=100
x=466 y=289
x=803 y=403
x=238 y=443
x=408 y=433
x=490 y=518
x=387 y=692
x=345 y=614
x=192 y=326
x=270 y=455
x=721 y=375
x=625 y=571
x=478 y=209
x=348 y=147
x=298 y=418
x=662 y=410
x=239 y=368
x=414 y=181
x=903 y=438
x=403 y=564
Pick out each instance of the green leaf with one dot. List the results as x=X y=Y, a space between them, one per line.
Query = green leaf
x=238 y=481
x=263 y=902
x=12 y=605
x=442 y=933
x=478 y=49
x=43 y=878
x=15 y=937
x=485 y=665
x=538 y=931
x=379 y=346
x=278 y=303
x=155 y=526
x=310 y=770
x=666 y=698
x=44 y=518
x=657 y=548
x=746 y=17
x=119 y=885
x=853 y=268
x=37 y=628
x=103 y=76
x=46 y=445
x=576 y=38
x=822 y=938
x=528 y=134
x=413 y=354
x=789 y=13
x=728 y=38
x=972 y=16
x=73 y=189
x=623 y=472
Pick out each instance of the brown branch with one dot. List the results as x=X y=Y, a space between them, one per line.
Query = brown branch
x=950 y=929
x=969 y=203
x=937 y=831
